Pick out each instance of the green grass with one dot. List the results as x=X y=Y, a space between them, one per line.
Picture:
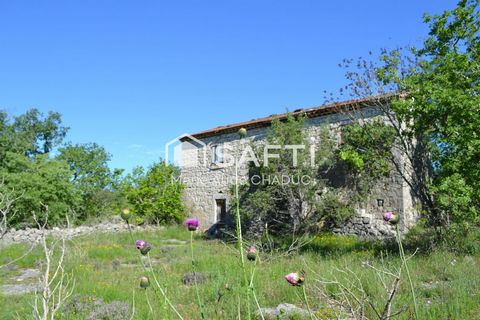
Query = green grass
x=95 y=261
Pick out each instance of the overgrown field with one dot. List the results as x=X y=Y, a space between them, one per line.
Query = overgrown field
x=107 y=269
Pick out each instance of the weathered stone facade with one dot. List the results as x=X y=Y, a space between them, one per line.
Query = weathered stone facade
x=208 y=184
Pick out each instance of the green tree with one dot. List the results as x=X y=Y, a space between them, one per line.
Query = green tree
x=90 y=175
x=27 y=169
x=155 y=195
x=76 y=180
x=37 y=183
x=367 y=150
x=445 y=108
x=294 y=198
x=435 y=112
x=33 y=133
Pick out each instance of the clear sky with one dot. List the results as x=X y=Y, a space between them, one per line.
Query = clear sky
x=132 y=75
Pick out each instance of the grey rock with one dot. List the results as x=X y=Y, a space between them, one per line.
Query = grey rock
x=27 y=274
x=283 y=311
x=19 y=289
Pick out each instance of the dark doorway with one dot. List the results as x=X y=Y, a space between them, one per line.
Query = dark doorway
x=221 y=211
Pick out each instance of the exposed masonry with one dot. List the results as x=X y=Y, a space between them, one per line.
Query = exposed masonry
x=207 y=183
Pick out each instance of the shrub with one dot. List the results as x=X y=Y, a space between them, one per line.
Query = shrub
x=39 y=183
x=156 y=195
x=462 y=238
x=325 y=201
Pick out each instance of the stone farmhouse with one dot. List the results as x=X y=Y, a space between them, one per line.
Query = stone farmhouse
x=209 y=179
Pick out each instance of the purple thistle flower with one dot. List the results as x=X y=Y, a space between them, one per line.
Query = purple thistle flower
x=139 y=244
x=192 y=224
x=143 y=246
x=391 y=217
x=295 y=278
x=252 y=253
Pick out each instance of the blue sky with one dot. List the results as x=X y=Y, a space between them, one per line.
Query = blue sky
x=132 y=75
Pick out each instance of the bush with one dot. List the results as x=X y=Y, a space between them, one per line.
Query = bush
x=462 y=238
x=333 y=209
x=156 y=196
x=421 y=237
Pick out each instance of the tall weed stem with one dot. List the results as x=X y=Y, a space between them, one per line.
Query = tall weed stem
x=404 y=262
x=240 y=239
x=306 y=302
x=200 y=305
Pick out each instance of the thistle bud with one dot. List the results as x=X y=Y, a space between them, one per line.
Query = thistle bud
x=126 y=215
x=144 y=282
x=242 y=132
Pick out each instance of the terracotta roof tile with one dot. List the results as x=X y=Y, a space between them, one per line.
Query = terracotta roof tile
x=311 y=113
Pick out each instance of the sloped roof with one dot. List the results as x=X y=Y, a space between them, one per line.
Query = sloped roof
x=313 y=112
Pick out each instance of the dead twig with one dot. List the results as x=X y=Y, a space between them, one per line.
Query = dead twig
x=56 y=284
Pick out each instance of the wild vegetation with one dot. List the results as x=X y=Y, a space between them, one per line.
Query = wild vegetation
x=435 y=114
x=107 y=271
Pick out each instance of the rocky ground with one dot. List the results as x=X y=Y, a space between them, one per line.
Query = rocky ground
x=26 y=280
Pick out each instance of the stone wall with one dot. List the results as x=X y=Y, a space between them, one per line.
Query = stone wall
x=207 y=181
x=33 y=235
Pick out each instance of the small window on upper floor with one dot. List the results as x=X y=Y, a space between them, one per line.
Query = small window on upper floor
x=217 y=154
